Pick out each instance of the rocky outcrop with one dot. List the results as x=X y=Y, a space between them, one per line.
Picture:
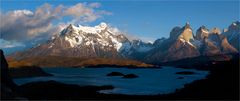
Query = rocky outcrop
x=123 y=75
x=233 y=34
x=130 y=76
x=115 y=74
x=202 y=33
x=178 y=46
x=208 y=48
x=215 y=43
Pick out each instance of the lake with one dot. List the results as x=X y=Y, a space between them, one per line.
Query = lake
x=150 y=81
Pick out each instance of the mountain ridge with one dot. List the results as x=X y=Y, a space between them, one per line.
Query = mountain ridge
x=101 y=41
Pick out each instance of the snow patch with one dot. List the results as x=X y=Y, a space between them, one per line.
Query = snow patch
x=204 y=31
x=191 y=44
x=51 y=45
x=93 y=30
x=74 y=41
x=182 y=40
x=234 y=24
x=88 y=43
x=117 y=44
x=151 y=42
x=52 y=37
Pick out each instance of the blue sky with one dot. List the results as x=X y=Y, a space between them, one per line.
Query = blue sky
x=149 y=19
x=155 y=18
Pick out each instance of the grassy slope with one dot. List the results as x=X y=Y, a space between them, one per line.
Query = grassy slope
x=55 y=61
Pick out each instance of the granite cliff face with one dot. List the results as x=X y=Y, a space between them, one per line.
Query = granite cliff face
x=178 y=46
x=233 y=34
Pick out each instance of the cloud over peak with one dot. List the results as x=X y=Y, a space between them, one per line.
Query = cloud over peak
x=25 y=25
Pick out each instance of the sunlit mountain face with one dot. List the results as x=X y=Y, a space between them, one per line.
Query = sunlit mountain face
x=101 y=41
x=149 y=50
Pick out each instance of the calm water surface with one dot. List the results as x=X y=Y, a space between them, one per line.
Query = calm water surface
x=149 y=82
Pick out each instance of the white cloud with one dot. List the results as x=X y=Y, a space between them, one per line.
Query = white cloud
x=21 y=12
x=24 y=25
x=95 y=5
x=83 y=12
x=10 y=44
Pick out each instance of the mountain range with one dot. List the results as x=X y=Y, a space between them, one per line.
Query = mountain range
x=102 y=41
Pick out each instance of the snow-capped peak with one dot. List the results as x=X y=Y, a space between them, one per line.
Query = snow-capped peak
x=93 y=30
x=100 y=36
x=75 y=35
x=102 y=25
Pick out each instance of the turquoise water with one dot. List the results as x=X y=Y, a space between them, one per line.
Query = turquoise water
x=149 y=82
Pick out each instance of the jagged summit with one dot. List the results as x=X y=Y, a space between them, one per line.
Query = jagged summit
x=186 y=33
x=181 y=44
x=216 y=31
x=86 y=29
x=99 y=35
x=202 y=33
x=187 y=25
x=233 y=34
x=175 y=32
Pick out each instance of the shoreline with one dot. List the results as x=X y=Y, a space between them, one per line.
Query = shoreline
x=219 y=84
